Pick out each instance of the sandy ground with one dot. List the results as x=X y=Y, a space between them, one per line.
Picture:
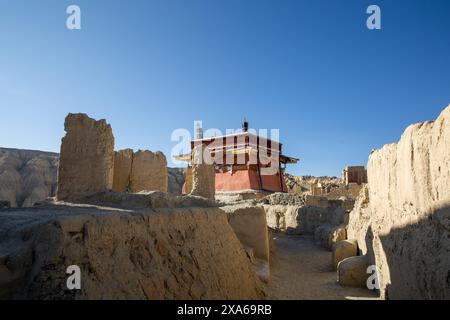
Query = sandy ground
x=300 y=269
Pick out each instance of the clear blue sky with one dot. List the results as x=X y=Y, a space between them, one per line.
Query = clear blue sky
x=310 y=68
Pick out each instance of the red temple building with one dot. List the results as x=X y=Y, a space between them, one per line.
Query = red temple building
x=243 y=162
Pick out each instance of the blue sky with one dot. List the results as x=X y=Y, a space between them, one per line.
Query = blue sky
x=311 y=68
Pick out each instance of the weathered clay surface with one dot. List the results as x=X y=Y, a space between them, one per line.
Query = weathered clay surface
x=86 y=161
x=149 y=171
x=304 y=184
x=350 y=191
x=203 y=174
x=249 y=224
x=402 y=221
x=282 y=218
x=142 y=200
x=342 y=250
x=330 y=187
x=27 y=176
x=302 y=219
x=185 y=253
x=123 y=160
x=352 y=272
x=326 y=202
x=359 y=221
x=327 y=235
x=286 y=199
x=188 y=181
x=140 y=171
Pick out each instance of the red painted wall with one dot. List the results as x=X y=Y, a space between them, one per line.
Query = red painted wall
x=248 y=179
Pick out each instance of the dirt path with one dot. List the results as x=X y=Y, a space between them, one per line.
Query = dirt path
x=300 y=269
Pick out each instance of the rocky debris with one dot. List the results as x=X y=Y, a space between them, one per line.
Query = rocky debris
x=342 y=250
x=203 y=174
x=329 y=187
x=286 y=199
x=176 y=178
x=352 y=272
x=140 y=171
x=327 y=235
x=325 y=202
x=86 y=161
x=27 y=176
x=232 y=197
x=296 y=184
x=229 y=198
x=184 y=253
x=401 y=221
x=304 y=184
x=302 y=219
x=283 y=218
x=349 y=191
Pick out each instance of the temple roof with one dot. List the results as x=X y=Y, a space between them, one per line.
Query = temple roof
x=250 y=147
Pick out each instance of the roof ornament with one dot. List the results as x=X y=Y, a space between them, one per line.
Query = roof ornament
x=245 y=125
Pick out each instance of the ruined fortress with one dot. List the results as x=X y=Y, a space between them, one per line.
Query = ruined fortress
x=384 y=229
x=89 y=165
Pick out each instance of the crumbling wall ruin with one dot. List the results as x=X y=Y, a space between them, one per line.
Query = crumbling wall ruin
x=303 y=214
x=123 y=160
x=149 y=171
x=302 y=219
x=250 y=225
x=140 y=171
x=87 y=158
x=402 y=220
x=354 y=174
x=146 y=245
x=89 y=165
x=350 y=191
x=187 y=188
x=158 y=253
x=203 y=173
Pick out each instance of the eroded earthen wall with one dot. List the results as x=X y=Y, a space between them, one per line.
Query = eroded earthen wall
x=183 y=253
x=123 y=160
x=302 y=219
x=203 y=174
x=250 y=225
x=140 y=171
x=402 y=220
x=149 y=171
x=188 y=180
x=86 y=159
